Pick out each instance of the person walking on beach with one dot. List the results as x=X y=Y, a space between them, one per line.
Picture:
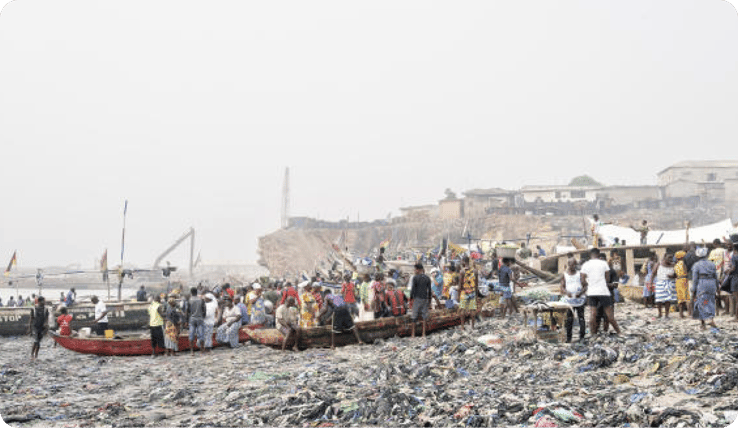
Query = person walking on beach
x=100 y=324
x=594 y=275
x=38 y=325
x=420 y=296
x=576 y=293
x=704 y=289
x=156 y=323
x=196 y=321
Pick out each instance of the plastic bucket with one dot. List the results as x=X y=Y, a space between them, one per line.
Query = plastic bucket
x=109 y=334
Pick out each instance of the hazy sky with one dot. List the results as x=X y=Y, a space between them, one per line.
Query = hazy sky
x=192 y=110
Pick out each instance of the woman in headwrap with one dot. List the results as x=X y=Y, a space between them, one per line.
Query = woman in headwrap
x=704 y=288
x=682 y=286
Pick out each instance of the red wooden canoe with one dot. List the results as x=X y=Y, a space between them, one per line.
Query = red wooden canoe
x=128 y=345
x=383 y=328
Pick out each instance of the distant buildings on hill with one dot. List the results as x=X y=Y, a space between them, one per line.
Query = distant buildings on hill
x=685 y=184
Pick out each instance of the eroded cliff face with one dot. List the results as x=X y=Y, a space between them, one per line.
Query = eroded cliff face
x=288 y=251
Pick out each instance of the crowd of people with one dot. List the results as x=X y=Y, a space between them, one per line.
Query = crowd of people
x=698 y=281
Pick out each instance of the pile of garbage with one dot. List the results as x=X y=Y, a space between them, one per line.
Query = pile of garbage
x=658 y=373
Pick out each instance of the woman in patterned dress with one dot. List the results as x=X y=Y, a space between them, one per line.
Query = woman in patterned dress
x=664 y=284
x=308 y=308
x=682 y=286
x=468 y=298
x=704 y=289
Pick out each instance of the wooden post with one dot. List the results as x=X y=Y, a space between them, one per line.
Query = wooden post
x=630 y=264
x=562 y=263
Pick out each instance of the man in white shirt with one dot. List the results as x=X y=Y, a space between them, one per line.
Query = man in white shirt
x=594 y=276
x=211 y=307
x=101 y=316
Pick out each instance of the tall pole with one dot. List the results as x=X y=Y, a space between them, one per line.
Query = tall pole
x=122 y=248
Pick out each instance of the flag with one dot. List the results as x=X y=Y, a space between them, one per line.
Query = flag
x=384 y=243
x=13 y=262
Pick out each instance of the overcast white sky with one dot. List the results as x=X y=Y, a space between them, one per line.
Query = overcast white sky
x=192 y=110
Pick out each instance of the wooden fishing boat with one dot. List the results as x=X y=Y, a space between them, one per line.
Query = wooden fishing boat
x=122 y=315
x=632 y=257
x=383 y=328
x=128 y=345
x=633 y=293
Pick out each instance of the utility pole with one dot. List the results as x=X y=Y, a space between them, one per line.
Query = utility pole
x=286 y=199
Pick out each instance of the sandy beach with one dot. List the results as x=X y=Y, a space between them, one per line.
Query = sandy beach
x=658 y=373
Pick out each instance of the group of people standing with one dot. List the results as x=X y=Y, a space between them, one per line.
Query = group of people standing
x=698 y=280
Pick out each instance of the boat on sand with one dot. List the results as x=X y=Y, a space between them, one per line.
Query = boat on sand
x=128 y=345
x=383 y=328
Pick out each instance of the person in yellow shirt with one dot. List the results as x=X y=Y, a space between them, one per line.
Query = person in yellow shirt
x=156 y=323
x=682 y=283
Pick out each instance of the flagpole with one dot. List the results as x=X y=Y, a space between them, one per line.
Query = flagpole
x=122 y=248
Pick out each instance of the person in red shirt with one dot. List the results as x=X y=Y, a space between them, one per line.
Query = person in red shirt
x=64 y=320
x=228 y=290
x=395 y=300
x=348 y=291
x=290 y=291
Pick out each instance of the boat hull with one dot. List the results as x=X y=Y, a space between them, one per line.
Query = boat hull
x=383 y=328
x=121 y=316
x=128 y=346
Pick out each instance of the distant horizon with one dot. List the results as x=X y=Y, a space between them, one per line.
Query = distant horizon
x=192 y=113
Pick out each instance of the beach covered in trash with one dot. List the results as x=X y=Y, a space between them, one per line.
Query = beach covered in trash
x=658 y=373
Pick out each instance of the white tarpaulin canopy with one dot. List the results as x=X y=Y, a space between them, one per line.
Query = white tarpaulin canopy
x=706 y=233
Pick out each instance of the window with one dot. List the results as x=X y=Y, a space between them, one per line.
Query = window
x=711 y=177
x=575 y=194
x=557 y=195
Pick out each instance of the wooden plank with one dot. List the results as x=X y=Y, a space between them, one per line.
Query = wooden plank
x=630 y=264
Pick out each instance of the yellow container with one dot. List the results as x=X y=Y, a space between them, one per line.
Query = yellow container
x=109 y=334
